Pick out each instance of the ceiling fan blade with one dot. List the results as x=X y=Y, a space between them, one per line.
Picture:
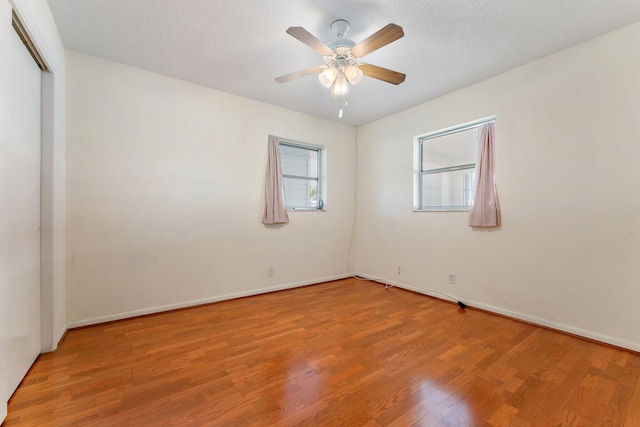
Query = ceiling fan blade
x=383 y=74
x=383 y=37
x=298 y=74
x=310 y=40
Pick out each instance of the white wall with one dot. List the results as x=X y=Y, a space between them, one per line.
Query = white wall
x=165 y=194
x=568 y=146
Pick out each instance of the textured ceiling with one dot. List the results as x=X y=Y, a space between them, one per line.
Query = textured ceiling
x=240 y=46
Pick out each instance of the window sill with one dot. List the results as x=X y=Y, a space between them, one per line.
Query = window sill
x=441 y=210
x=306 y=210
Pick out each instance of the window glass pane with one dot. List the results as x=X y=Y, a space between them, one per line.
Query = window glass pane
x=452 y=189
x=301 y=192
x=449 y=150
x=467 y=187
x=299 y=161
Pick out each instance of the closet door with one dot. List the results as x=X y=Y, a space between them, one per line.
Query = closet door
x=21 y=154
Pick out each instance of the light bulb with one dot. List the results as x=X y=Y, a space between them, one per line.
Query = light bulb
x=340 y=113
x=328 y=76
x=353 y=74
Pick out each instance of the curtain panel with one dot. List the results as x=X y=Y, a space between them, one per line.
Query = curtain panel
x=485 y=209
x=275 y=209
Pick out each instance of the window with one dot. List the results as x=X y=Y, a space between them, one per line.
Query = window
x=302 y=173
x=444 y=166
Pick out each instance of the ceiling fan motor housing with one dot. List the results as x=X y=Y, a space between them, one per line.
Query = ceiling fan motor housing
x=340 y=28
x=341 y=57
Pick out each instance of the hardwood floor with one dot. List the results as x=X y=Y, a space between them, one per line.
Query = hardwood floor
x=344 y=353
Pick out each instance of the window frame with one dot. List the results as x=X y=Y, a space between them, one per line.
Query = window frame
x=321 y=172
x=420 y=172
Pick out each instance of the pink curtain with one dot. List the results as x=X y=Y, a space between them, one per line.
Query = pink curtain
x=485 y=210
x=275 y=210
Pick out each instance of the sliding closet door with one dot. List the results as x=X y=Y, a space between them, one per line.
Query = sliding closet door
x=22 y=211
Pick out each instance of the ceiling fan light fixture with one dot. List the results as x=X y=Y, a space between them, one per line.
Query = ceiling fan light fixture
x=353 y=74
x=328 y=76
x=340 y=87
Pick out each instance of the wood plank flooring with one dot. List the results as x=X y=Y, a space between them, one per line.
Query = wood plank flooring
x=344 y=353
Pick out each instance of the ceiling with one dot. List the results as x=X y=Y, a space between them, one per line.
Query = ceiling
x=240 y=46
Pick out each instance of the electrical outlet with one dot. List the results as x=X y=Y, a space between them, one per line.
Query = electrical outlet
x=452 y=278
x=270 y=272
x=398 y=270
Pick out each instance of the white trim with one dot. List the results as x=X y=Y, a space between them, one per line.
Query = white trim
x=296 y=143
x=457 y=128
x=606 y=339
x=409 y=287
x=59 y=335
x=558 y=326
x=193 y=303
x=35 y=35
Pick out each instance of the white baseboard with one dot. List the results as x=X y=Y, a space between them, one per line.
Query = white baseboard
x=595 y=336
x=192 y=303
x=57 y=337
x=558 y=326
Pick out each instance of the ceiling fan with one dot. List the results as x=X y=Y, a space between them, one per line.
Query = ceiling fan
x=342 y=59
